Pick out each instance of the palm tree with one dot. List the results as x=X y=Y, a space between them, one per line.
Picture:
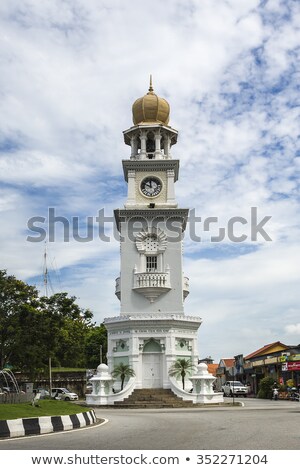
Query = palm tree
x=123 y=371
x=181 y=368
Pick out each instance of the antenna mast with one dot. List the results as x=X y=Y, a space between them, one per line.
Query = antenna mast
x=45 y=272
x=45 y=278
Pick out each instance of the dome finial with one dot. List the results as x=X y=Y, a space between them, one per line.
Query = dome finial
x=151 y=87
x=150 y=108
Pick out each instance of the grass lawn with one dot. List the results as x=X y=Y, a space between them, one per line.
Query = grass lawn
x=45 y=408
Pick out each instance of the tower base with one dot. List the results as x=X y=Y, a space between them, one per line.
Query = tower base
x=150 y=344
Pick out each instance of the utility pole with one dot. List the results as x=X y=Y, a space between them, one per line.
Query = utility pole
x=50 y=375
x=100 y=353
x=45 y=278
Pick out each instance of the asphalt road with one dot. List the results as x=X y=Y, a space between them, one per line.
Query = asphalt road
x=260 y=424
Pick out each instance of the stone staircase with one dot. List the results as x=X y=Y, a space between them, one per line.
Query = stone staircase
x=153 y=398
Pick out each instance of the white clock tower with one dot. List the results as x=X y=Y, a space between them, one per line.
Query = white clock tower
x=151 y=331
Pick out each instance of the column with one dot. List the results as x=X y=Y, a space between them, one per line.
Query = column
x=143 y=137
x=158 y=153
x=167 y=145
x=134 y=146
x=137 y=360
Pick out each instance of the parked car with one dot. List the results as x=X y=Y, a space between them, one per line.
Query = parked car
x=63 y=394
x=43 y=392
x=234 y=388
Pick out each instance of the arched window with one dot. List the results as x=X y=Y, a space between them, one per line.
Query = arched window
x=151 y=245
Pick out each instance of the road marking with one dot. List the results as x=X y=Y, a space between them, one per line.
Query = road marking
x=49 y=434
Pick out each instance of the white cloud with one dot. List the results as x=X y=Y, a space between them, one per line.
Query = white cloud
x=70 y=72
x=293 y=329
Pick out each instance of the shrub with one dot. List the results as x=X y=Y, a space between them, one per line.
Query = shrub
x=265 y=387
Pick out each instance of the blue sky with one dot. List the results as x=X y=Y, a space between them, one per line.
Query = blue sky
x=70 y=72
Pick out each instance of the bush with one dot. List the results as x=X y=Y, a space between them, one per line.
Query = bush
x=265 y=388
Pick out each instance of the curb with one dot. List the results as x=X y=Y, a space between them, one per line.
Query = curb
x=45 y=424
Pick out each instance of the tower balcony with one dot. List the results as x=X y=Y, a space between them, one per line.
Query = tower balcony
x=151 y=284
x=186 y=287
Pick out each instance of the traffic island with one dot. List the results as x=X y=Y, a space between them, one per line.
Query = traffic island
x=45 y=424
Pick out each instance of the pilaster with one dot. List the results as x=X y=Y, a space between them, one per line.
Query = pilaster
x=170 y=189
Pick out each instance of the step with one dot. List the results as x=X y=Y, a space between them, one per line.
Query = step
x=154 y=398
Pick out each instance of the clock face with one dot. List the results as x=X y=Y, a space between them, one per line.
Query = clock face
x=151 y=186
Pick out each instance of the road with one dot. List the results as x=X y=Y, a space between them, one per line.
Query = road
x=259 y=424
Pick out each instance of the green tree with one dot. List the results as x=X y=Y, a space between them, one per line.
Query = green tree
x=181 y=368
x=265 y=387
x=123 y=371
x=96 y=337
x=16 y=299
x=34 y=328
x=30 y=342
x=68 y=325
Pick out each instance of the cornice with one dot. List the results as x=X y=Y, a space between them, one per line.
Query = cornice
x=149 y=126
x=150 y=165
x=121 y=215
x=153 y=320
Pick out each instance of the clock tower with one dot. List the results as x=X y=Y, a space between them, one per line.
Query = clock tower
x=152 y=330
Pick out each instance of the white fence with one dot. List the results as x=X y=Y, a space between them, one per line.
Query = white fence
x=10 y=398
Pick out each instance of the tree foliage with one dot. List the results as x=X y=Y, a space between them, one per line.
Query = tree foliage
x=123 y=371
x=34 y=328
x=265 y=387
x=18 y=302
x=95 y=338
x=69 y=325
x=181 y=368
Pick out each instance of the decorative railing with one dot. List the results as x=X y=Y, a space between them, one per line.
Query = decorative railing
x=125 y=393
x=152 y=279
x=151 y=284
x=180 y=392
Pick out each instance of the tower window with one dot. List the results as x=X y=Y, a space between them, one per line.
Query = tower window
x=151 y=264
x=150 y=145
x=151 y=243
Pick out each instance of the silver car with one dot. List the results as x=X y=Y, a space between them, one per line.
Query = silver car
x=234 y=387
x=63 y=394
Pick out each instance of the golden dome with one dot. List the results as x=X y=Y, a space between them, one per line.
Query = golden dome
x=150 y=108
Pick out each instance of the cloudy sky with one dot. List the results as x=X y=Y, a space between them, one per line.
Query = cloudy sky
x=70 y=71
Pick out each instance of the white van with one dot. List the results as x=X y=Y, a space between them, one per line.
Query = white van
x=63 y=394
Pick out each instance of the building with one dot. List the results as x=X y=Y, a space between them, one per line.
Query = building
x=277 y=360
x=152 y=330
x=224 y=372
